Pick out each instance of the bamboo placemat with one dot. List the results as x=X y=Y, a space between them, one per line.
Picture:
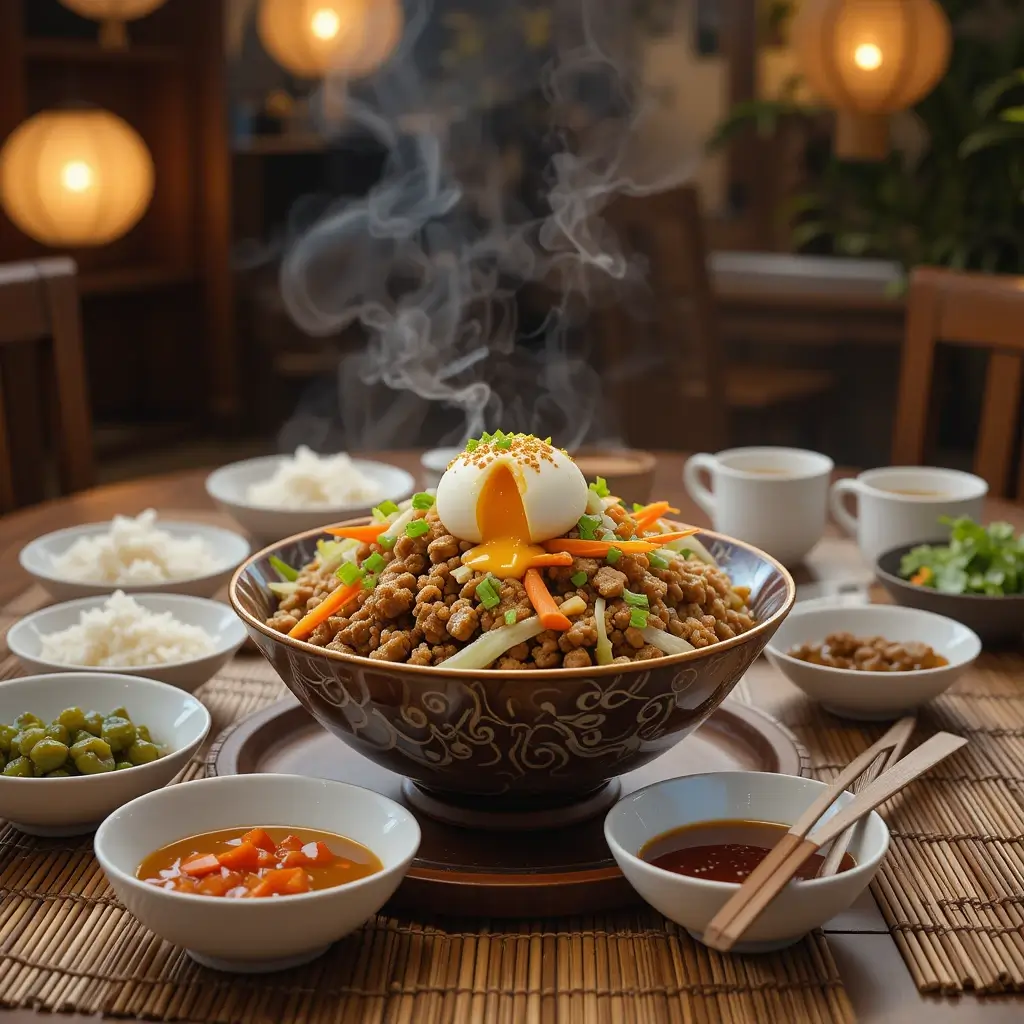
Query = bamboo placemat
x=952 y=886
x=66 y=945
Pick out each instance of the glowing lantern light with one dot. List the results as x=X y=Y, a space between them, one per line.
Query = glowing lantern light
x=868 y=58
x=75 y=177
x=313 y=37
x=112 y=14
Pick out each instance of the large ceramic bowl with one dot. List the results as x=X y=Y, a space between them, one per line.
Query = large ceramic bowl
x=542 y=735
x=997 y=620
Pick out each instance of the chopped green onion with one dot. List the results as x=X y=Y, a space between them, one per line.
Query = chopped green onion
x=378 y=515
x=349 y=572
x=635 y=600
x=637 y=507
x=686 y=553
x=488 y=593
x=503 y=443
x=284 y=570
x=423 y=500
x=499 y=435
x=369 y=582
x=417 y=528
x=614 y=554
x=547 y=440
x=375 y=562
x=657 y=561
x=600 y=487
x=386 y=541
x=472 y=444
x=510 y=617
x=578 y=578
x=588 y=527
x=485 y=438
x=638 y=618
x=389 y=508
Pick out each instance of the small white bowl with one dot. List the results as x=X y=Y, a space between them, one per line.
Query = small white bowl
x=229 y=548
x=256 y=936
x=729 y=796
x=217 y=620
x=872 y=696
x=74 y=806
x=434 y=462
x=229 y=485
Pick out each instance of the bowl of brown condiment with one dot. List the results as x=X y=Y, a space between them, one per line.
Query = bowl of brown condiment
x=687 y=844
x=871 y=662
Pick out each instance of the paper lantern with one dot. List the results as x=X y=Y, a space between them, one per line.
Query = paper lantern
x=868 y=58
x=112 y=14
x=75 y=177
x=351 y=38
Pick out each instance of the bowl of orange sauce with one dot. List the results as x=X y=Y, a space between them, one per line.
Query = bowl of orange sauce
x=256 y=873
x=687 y=844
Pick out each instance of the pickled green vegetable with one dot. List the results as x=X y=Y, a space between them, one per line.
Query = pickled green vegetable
x=76 y=742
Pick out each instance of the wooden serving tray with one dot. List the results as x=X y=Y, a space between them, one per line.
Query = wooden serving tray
x=504 y=873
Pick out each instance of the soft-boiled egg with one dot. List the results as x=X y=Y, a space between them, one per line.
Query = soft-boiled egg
x=507 y=494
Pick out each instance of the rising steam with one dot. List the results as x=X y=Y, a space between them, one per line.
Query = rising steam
x=431 y=260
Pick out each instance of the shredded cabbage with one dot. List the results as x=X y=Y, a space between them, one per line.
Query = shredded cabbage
x=604 y=645
x=397 y=527
x=494 y=643
x=282 y=590
x=666 y=642
x=595 y=504
x=331 y=553
x=695 y=548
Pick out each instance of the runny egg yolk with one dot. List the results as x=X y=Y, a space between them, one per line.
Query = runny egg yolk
x=506 y=550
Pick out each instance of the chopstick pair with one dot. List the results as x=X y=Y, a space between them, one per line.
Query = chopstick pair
x=804 y=839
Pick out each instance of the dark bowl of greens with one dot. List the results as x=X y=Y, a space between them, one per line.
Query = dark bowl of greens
x=975 y=577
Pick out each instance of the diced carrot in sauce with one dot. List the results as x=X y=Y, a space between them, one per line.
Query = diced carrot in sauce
x=241 y=858
x=259 y=838
x=268 y=860
x=204 y=864
x=318 y=853
x=282 y=882
x=219 y=885
x=296 y=859
x=290 y=843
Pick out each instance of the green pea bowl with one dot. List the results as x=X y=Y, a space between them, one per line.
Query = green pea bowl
x=76 y=746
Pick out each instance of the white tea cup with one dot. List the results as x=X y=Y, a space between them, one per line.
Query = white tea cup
x=899 y=505
x=773 y=498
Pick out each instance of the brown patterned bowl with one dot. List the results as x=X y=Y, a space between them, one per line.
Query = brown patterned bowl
x=526 y=736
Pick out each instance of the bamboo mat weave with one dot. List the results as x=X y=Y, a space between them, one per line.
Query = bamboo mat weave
x=66 y=945
x=952 y=886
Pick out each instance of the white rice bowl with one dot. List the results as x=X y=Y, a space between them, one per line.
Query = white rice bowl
x=308 y=480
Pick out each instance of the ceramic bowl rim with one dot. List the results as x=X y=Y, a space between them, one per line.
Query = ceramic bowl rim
x=825 y=468
x=769 y=625
x=226 y=566
x=97 y=601
x=868 y=866
x=898 y=609
x=143 y=681
x=187 y=898
x=888 y=577
x=221 y=472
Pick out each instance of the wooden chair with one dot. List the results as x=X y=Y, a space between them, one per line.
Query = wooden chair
x=981 y=310
x=39 y=303
x=668 y=229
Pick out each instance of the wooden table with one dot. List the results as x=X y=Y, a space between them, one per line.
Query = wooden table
x=877 y=981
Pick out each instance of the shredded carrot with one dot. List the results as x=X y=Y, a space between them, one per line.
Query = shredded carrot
x=330 y=605
x=600 y=548
x=922 y=576
x=557 y=558
x=647 y=516
x=543 y=603
x=367 y=534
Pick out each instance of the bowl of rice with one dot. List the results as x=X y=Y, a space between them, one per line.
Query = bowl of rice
x=174 y=638
x=277 y=495
x=134 y=554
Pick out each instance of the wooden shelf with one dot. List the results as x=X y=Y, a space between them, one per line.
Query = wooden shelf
x=76 y=51
x=122 y=280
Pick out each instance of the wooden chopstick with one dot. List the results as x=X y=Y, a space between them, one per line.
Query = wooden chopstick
x=881 y=764
x=896 y=736
x=724 y=936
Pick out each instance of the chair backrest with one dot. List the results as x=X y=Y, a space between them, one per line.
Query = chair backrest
x=667 y=230
x=980 y=310
x=39 y=303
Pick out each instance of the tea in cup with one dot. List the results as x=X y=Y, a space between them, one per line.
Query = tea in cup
x=899 y=505
x=773 y=498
